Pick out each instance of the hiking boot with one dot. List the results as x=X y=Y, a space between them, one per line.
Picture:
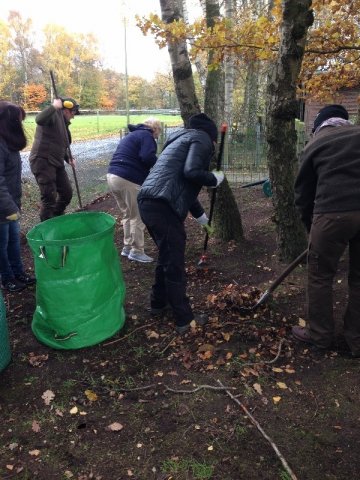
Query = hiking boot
x=200 y=320
x=140 y=257
x=13 y=286
x=125 y=251
x=302 y=334
x=26 y=279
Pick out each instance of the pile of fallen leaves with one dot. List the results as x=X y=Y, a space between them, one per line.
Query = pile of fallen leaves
x=234 y=298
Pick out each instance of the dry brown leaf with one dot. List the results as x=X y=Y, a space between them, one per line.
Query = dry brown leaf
x=90 y=395
x=35 y=426
x=282 y=385
x=206 y=355
x=277 y=370
x=257 y=388
x=276 y=399
x=48 y=396
x=37 y=360
x=115 y=427
x=34 y=453
x=246 y=371
x=74 y=410
x=152 y=334
x=206 y=347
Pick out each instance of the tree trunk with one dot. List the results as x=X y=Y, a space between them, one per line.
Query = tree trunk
x=171 y=11
x=280 y=133
x=227 y=219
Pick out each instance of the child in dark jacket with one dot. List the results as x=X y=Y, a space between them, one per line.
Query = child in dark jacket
x=12 y=140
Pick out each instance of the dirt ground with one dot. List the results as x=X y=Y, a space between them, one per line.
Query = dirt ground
x=236 y=399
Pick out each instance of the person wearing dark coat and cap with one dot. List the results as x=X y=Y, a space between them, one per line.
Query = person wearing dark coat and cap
x=327 y=197
x=167 y=195
x=48 y=153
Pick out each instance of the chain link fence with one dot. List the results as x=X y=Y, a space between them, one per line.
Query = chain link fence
x=244 y=162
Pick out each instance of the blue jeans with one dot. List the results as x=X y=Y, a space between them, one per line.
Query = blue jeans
x=10 y=254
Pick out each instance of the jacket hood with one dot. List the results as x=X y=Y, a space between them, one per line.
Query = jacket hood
x=139 y=126
x=174 y=136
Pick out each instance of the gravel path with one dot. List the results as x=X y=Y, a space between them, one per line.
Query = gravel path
x=84 y=151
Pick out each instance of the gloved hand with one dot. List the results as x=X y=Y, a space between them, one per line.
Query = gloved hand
x=203 y=220
x=219 y=175
x=13 y=217
x=208 y=229
x=57 y=103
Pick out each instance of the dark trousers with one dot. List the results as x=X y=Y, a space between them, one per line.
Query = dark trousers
x=330 y=234
x=168 y=232
x=10 y=255
x=55 y=188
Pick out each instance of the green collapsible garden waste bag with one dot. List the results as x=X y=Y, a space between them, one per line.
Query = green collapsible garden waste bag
x=79 y=283
x=5 y=354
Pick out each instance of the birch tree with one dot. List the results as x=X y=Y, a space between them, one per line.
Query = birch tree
x=171 y=11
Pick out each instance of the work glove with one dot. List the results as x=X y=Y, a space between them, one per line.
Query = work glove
x=219 y=175
x=208 y=229
x=57 y=103
x=204 y=222
x=13 y=217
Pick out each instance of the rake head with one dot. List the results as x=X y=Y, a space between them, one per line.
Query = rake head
x=203 y=261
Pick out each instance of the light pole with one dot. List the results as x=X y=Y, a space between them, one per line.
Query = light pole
x=126 y=77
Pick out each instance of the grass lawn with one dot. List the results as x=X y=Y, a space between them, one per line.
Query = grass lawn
x=85 y=127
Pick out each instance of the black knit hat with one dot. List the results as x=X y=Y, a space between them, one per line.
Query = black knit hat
x=330 y=111
x=201 y=121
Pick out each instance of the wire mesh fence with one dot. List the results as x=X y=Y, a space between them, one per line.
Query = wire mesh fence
x=244 y=162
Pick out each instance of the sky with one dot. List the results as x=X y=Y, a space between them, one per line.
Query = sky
x=103 y=18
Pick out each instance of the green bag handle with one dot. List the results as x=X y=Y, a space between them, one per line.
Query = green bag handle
x=64 y=253
x=64 y=337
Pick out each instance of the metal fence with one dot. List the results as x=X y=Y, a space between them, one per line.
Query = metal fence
x=244 y=162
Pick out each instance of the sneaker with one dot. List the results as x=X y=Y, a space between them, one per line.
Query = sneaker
x=26 y=279
x=200 y=320
x=13 y=286
x=125 y=251
x=140 y=257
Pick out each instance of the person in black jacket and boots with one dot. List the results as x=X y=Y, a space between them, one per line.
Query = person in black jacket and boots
x=167 y=195
x=12 y=140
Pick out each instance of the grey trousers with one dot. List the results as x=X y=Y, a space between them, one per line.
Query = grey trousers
x=330 y=234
